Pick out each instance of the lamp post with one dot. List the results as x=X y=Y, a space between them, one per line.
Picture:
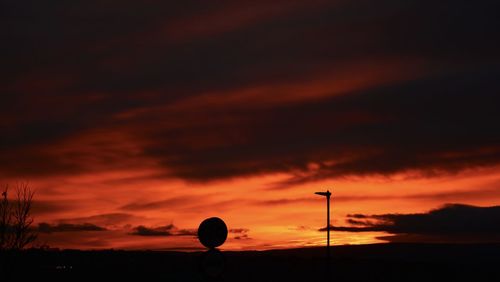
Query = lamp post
x=327 y=194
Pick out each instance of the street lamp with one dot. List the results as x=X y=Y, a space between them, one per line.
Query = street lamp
x=327 y=194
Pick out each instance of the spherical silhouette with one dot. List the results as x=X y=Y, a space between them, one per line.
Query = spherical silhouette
x=212 y=232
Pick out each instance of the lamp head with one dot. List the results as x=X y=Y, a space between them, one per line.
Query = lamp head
x=326 y=194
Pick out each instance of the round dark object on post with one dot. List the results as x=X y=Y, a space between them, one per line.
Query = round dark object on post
x=212 y=232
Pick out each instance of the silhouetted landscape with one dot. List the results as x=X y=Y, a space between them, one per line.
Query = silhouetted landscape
x=378 y=262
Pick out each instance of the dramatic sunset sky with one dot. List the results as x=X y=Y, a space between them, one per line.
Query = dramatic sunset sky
x=136 y=120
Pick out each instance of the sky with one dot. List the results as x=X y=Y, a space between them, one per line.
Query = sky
x=135 y=120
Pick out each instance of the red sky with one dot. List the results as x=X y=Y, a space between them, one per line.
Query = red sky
x=136 y=121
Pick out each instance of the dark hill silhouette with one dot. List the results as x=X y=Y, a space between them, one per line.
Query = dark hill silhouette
x=380 y=262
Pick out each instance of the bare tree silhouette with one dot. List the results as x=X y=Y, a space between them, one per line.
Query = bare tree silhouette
x=16 y=219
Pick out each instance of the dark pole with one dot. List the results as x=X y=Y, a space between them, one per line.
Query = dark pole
x=327 y=195
x=328 y=226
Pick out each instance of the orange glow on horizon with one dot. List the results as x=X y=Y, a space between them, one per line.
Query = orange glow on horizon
x=274 y=218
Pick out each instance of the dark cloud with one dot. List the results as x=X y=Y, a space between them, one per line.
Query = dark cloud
x=167 y=230
x=157 y=231
x=406 y=127
x=68 y=227
x=98 y=67
x=172 y=230
x=451 y=223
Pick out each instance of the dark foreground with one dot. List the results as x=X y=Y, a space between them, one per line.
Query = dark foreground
x=382 y=262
